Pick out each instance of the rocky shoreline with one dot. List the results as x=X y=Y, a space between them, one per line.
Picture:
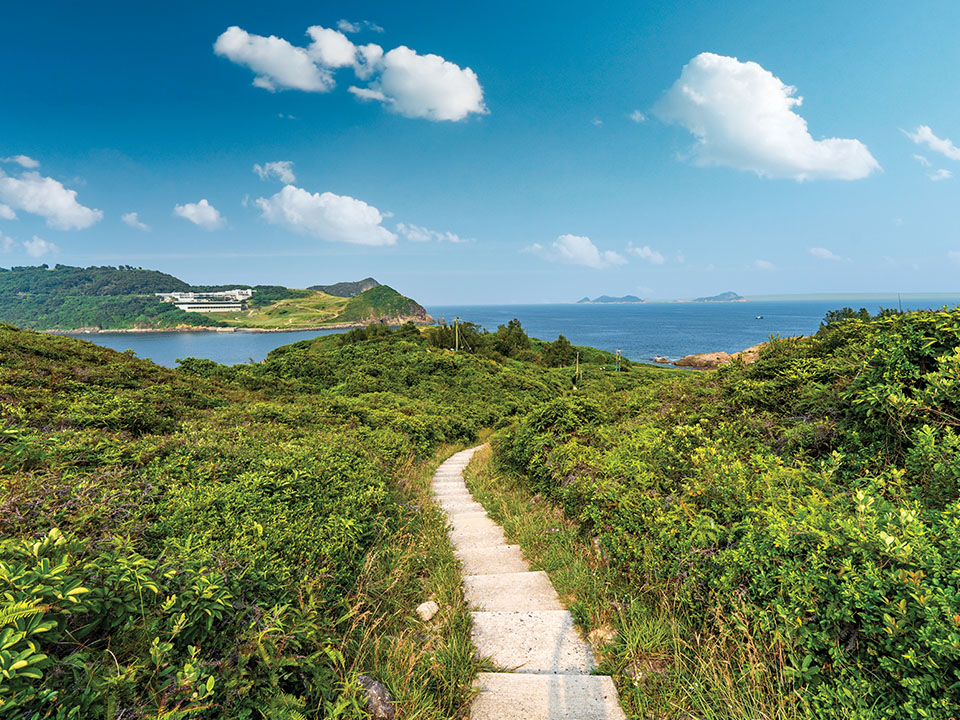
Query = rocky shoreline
x=713 y=360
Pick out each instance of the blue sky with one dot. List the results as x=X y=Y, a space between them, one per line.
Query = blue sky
x=489 y=153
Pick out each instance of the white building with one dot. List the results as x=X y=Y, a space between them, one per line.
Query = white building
x=220 y=301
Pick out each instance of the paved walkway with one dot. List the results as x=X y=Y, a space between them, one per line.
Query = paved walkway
x=518 y=621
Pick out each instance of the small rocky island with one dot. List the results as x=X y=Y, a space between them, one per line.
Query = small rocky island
x=608 y=300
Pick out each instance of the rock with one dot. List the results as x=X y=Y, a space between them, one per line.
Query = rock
x=427 y=610
x=662 y=359
x=640 y=670
x=749 y=355
x=377 y=698
x=704 y=361
x=600 y=637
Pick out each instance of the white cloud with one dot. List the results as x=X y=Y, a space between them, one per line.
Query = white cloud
x=38 y=247
x=742 y=116
x=940 y=174
x=578 y=250
x=277 y=63
x=417 y=233
x=596 y=122
x=6 y=243
x=200 y=213
x=425 y=86
x=825 y=254
x=22 y=160
x=280 y=169
x=348 y=26
x=647 y=253
x=133 y=220
x=954 y=255
x=922 y=160
x=413 y=85
x=638 y=117
x=7 y=213
x=330 y=217
x=44 y=196
x=331 y=48
x=923 y=135
x=764 y=265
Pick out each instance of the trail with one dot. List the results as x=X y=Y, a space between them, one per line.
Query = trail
x=518 y=621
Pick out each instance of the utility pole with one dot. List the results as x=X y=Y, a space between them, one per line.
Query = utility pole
x=456 y=334
x=618 y=361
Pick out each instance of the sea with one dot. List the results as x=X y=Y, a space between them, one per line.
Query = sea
x=639 y=331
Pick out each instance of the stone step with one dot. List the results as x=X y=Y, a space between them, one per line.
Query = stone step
x=453 y=490
x=462 y=506
x=511 y=592
x=525 y=696
x=492 y=560
x=473 y=539
x=544 y=641
x=471 y=521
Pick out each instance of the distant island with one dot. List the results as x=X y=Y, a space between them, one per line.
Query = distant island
x=124 y=298
x=608 y=300
x=728 y=296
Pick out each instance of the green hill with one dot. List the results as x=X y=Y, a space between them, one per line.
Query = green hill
x=119 y=298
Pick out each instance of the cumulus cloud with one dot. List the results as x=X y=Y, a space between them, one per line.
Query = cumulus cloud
x=200 y=213
x=7 y=213
x=940 y=174
x=413 y=85
x=764 y=265
x=133 y=220
x=637 y=116
x=327 y=216
x=743 y=117
x=425 y=86
x=923 y=135
x=824 y=254
x=44 y=196
x=38 y=247
x=276 y=62
x=23 y=161
x=922 y=160
x=647 y=253
x=282 y=170
x=331 y=48
x=416 y=233
x=578 y=250
x=6 y=243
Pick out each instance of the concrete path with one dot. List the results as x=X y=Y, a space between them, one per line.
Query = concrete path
x=518 y=621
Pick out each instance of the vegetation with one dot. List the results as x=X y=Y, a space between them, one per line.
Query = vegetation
x=236 y=541
x=71 y=298
x=797 y=518
x=773 y=540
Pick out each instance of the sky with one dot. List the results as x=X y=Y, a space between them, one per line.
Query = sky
x=488 y=152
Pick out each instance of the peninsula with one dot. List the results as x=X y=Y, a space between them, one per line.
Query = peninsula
x=94 y=299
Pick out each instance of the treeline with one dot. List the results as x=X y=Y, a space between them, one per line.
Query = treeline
x=71 y=312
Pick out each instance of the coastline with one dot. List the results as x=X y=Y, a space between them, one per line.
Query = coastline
x=196 y=328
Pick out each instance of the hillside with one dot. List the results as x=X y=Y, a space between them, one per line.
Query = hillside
x=123 y=298
x=607 y=299
x=728 y=296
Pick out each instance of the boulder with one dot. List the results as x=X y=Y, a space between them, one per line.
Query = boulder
x=378 y=701
x=427 y=610
x=704 y=361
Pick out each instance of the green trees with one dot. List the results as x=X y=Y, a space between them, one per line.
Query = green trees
x=559 y=353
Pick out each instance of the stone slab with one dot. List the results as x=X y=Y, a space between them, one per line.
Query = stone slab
x=511 y=592
x=544 y=641
x=454 y=506
x=492 y=560
x=471 y=521
x=472 y=539
x=526 y=696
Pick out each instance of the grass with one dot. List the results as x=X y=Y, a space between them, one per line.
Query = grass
x=661 y=669
x=428 y=667
x=311 y=311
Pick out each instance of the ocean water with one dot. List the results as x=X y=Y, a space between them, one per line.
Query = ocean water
x=639 y=331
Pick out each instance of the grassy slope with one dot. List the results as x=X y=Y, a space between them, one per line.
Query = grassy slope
x=316 y=309
x=236 y=542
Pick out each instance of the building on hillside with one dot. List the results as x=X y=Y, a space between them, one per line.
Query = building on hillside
x=220 y=301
